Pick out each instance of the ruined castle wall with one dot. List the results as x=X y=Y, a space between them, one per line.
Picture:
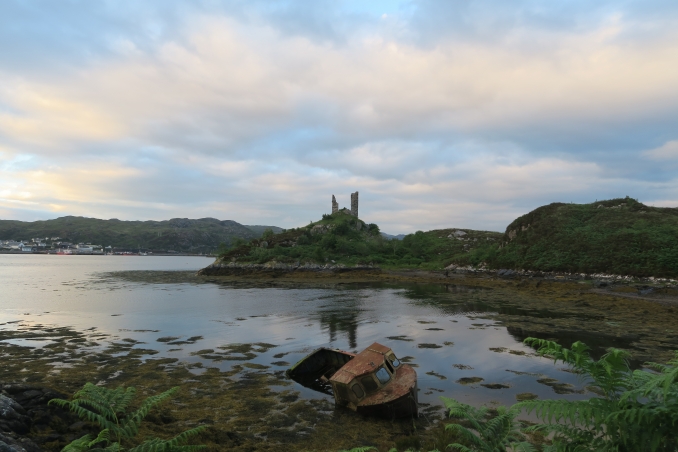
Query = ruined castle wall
x=335 y=205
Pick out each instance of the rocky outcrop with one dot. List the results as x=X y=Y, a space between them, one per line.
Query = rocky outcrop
x=29 y=424
x=321 y=228
x=220 y=268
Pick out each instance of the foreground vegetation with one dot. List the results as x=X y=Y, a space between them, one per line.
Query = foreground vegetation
x=108 y=408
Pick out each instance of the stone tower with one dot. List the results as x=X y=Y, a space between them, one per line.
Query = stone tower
x=354 y=204
x=335 y=205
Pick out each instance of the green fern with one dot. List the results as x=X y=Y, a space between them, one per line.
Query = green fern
x=486 y=434
x=360 y=449
x=638 y=411
x=108 y=408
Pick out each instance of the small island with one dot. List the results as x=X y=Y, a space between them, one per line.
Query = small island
x=617 y=238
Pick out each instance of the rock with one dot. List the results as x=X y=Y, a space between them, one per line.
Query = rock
x=263 y=244
x=10 y=443
x=77 y=426
x=13 y=416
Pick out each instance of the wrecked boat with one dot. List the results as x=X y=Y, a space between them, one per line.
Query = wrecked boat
x=372 y=382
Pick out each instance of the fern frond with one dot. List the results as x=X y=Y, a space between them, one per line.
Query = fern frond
x=172 y=445
x=113 y=447
x=85 y=413
x=78 y=445
x=460 y=447
x=103 y=436
x=130 y=424
x=523 y=446
x=363 y=449
x=466 y=434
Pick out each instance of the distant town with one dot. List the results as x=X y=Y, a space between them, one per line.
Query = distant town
x=55 y=245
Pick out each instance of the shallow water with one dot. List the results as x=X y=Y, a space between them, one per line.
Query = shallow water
x=445 y=331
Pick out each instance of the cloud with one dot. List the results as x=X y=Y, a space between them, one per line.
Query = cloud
x=461 y=114
x=667 y=151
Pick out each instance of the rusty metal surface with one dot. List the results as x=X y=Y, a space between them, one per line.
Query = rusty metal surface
x=396 y=398
x=378 y=348
x=401 y=385
x=367 y=362
x=364 y=362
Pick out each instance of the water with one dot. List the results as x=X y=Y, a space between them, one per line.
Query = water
x=446 y=332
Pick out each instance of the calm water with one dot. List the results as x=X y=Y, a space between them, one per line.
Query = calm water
x=435 y=336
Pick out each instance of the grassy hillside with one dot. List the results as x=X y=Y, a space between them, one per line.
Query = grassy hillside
x=259 y=229
x=343 y=239
x=620 y=236
x=178 y=234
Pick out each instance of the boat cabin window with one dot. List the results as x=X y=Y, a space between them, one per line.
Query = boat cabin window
x=395 y=361
x=358 y=391
x=383 y=376
x=389 y=366
x=369 y=383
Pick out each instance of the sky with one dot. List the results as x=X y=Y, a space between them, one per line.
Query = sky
x=441 y=113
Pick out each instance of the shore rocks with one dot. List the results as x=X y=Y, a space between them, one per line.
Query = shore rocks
x=220 y=268
x=11 y=442
x=29 y=424
x=13 y=416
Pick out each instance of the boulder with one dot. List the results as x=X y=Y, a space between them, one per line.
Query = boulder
x=13 y=417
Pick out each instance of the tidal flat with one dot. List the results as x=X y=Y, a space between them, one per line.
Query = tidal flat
x=227 y=342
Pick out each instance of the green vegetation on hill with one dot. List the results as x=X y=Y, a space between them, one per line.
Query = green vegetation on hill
x=619 y=236
x=178 y=234
x=343 y=239
x=259 y=230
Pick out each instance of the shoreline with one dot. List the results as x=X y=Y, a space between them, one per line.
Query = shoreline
x=659 y=290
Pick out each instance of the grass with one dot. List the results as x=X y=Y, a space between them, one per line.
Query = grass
x=343 y=239
x=618 y=236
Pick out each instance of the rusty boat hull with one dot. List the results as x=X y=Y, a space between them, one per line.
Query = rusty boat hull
x=315 y=370
x=373 y=382
x=398 y=399
x=406 y=405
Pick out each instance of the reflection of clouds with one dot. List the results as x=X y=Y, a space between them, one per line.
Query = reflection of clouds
x=349 y=319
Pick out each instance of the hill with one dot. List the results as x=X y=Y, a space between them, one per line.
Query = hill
x=619 y=236
x=344 y=239
x=259 y=230
x=179 y=234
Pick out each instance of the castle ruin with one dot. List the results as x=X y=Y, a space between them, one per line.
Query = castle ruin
x=335 y=205
x=354 y=205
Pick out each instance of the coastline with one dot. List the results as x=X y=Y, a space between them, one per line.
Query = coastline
x=660 y=290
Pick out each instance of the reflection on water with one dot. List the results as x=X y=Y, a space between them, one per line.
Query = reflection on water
x=444 y=331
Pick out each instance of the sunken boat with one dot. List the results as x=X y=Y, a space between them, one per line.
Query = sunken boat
x=372 y=382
